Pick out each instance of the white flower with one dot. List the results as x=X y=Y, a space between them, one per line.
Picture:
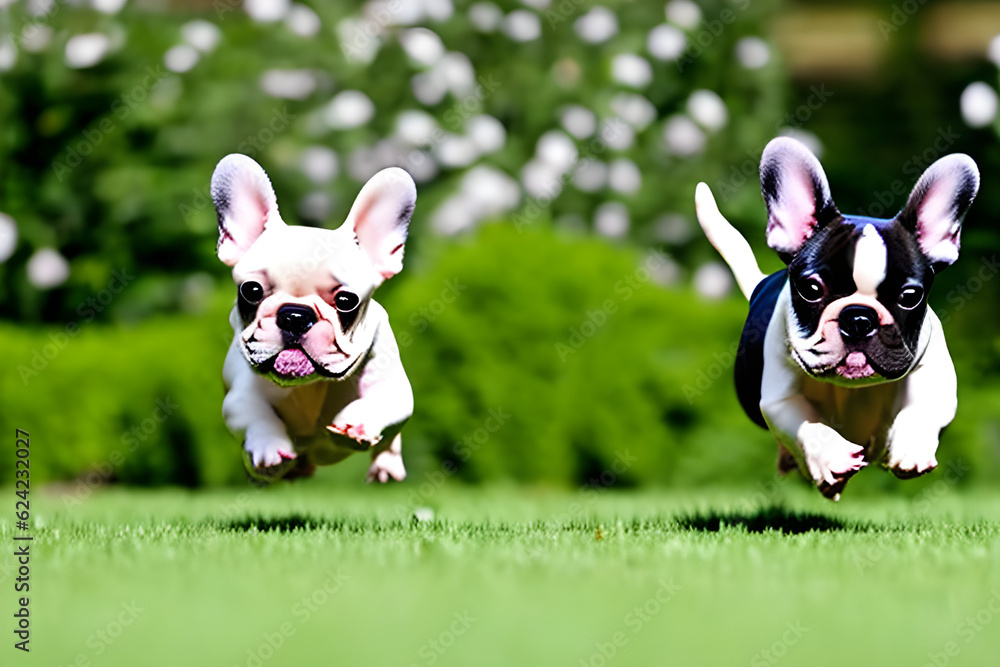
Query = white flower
x=319 y=164
x=978 y=104
x=993 y=51
x=541 y=180
x=556 y=149
x=422 y=45
x=456 y=151
x=290 y=84
x=486 y=132
x=631 y=70
x=522 y=25
x=618 y=134
x=266 y=11
x=495 y=191
x=485 y=192
x=415 y=127
x=436 y=10
x=86 y=50
x=579 y=121
x=684 y=13
x=181 y=58
x=596 y=26
x=665 y=42
x=485 y=16
x=708 y=110
x=8 y=55
x=752 y=52
x=611 y=220
x=624 y=176
x=108 y=6
x=349 y=109
x=634 y=109
x=8 y=237
x=47 y=269
x=303 y=21
x=202 y=35
x=429 y=87
x=457 y=72
x=683 y=136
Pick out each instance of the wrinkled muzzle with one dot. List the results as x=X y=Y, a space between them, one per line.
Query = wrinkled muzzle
x=857 y=339
x=297 y=343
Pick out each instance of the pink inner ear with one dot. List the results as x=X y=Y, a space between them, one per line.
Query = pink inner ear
x=245 y=203
x=937 y=228
x=393 y=263
x=794 y=214
x=244 y=220
x=380 y=217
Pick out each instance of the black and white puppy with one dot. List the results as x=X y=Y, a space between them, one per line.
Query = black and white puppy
x=313 y=373
x=841 y=357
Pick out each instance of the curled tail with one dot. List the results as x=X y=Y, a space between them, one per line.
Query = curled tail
x=729 y=242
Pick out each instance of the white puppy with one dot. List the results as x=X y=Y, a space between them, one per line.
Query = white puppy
x=313 y=373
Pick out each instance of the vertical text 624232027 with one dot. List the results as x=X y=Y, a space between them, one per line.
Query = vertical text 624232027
x=22 y=538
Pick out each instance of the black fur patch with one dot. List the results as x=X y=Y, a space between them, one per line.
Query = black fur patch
x=749 y=367
x=829 y=253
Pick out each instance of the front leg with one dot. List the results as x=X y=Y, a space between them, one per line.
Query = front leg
x=822 y=454
x=385 y=402
x=388 y=462
x=825 y=456
x=248 y=410
x=930 y=400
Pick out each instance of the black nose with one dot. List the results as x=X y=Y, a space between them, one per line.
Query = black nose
x=295 y=319
x=858 y=322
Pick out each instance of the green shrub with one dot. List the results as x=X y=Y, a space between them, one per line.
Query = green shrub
x=589 y=358
x=140 y=405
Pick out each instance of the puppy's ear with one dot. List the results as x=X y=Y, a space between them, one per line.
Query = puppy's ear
x=797 y=195
x=245 y=205
x=937 y=205
x=380 y=218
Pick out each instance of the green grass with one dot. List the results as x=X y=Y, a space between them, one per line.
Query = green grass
x=540 y=577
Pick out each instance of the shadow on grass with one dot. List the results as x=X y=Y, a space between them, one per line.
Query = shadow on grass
x=282 y=524
x=765 y=519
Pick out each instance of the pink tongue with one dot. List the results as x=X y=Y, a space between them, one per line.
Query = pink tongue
x=293 y=363
x=856 y=367
x=856 y=360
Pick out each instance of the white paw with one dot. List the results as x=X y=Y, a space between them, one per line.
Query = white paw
x=912 y=450
x=832 y=460
x=268 y=457
x=359 y=433
x=356 y=423
x=386 y=464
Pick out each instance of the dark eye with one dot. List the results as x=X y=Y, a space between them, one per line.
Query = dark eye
x=911 y=297
x=345 y=301
x=810 y=288
x=252 y=291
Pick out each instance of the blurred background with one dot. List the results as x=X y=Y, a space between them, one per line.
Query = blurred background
x=560 y=314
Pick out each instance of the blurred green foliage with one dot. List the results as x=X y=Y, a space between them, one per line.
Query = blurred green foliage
x=138 y=404
x=110 y=164
x=590 y=366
